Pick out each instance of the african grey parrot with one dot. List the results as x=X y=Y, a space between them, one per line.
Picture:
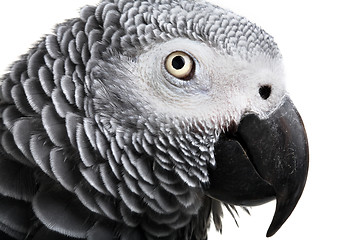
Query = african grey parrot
x=141 y=119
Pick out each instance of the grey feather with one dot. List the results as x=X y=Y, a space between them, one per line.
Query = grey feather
x=92 y=176
x=62 y=106
x=15 y=217
x=17 y=181
x=21 y=103
x=35 y=94
x=54 y=126
x=40 y=149
x=109 y=180
x=102 y=231
x=64 y=169
x=217 y=215
x=84 y=147
x=75 y=220
x=44 y=233
x=9 y=146
x=71 y=122
x=21 y=131
x=44 y=75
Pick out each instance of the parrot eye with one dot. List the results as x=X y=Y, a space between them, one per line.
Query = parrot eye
x=180 y=65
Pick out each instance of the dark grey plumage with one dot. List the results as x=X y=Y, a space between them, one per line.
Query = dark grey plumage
x=80 y=157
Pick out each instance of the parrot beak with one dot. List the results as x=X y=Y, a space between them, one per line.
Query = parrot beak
x=263 y=160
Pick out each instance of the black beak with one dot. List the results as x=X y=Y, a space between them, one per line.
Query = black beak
x=262 y=160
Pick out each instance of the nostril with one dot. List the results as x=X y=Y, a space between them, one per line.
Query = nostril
x=265 y=91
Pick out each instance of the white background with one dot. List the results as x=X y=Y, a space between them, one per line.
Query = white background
x=320 y=42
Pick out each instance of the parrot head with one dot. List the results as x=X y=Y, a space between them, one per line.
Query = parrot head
x=204 y=95
x=140 y=118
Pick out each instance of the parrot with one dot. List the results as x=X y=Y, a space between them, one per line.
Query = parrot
x=144 y=120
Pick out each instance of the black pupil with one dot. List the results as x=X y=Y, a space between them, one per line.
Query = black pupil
x=265 y=92
x=178 y=62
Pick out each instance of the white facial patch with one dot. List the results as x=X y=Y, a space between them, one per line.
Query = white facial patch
x=222 y=87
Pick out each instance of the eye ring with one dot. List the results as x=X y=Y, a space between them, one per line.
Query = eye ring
x=180 y=65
